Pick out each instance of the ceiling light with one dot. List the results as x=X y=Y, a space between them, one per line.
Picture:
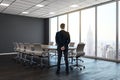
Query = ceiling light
x=51 y=13
x=25 y=12
x=4 y=4
x=39 y=5
x=74 y=5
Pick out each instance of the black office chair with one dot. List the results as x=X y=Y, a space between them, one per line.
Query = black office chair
x=28 y=54
x=16 y=49
x=42 y=55
x=79 y=52
x=71 y=44
x=50 y=43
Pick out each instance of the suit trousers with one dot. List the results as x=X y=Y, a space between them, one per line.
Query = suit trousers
x=65 y=52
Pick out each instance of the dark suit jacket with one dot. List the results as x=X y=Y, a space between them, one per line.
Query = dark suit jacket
x=62 y=39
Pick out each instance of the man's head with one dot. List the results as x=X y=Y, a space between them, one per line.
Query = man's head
x=62 y=26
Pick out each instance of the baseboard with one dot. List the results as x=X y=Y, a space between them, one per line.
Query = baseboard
x=11 y=53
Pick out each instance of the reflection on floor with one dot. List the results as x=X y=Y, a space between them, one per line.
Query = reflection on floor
x=95 y=70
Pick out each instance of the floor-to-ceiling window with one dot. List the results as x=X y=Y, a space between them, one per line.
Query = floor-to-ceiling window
x=73 y=26
x=106 y=31
x=53 y=29
x=88 y=30
x=119 y=31
x=62 y=19
x=82 y=24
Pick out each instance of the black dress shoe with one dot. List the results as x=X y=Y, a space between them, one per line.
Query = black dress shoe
x=67 y=72
x=57 y=72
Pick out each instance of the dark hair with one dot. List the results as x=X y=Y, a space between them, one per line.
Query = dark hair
x=62 y=26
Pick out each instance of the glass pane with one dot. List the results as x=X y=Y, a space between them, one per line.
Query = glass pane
x=106 y=31
x=119 y=32
x=62 y=19
x=88 y=30
x=73 y=28
x=53 y=29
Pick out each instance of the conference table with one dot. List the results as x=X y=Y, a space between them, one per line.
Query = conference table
x=53 y=47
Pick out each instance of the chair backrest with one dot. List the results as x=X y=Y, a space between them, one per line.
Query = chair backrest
x=71 y=44
x=80 y=50
x=22 y=47
x=16 y=46
x=37 y=47
x=51 y=43
x=28 y=46
x=80 y=47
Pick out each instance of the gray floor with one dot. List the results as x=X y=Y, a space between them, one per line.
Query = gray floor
x=95 y=70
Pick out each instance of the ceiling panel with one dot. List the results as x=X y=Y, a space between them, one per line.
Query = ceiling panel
x=23 y=3
x=58 y=6
x=18 y=6
x=32 y=1
x=34 y=8
x=8 y=1
x=2 y=8
x=13 y=9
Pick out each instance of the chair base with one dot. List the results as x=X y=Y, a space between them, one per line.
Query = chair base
x=76 y=66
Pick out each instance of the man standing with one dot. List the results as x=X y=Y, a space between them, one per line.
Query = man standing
x=62 y=39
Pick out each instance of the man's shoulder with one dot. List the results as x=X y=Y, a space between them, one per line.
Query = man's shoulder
x=62 y=32
x=66 y=32
x=58 y=32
